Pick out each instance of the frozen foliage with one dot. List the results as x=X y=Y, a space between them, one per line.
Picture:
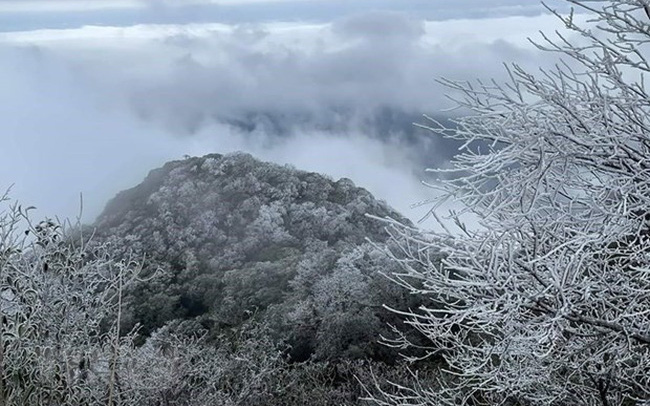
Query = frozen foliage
x=60 y=342
x=549 y=302
x=62 y=298
x=234 y=238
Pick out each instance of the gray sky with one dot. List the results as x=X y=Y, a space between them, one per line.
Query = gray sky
x=34 y=14
x=94 y=97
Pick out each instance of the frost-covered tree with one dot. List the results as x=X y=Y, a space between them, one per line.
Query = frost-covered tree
x=61 y=343
x=60 y=302
x=547 y=302
x=232 y=237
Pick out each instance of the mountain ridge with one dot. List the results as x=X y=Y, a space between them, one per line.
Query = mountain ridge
x=231 y=237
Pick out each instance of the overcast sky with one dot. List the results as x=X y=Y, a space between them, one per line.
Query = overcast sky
x=95 y=94
x=33 y=14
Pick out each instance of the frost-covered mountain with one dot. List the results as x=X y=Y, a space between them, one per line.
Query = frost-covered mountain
x=235 y=239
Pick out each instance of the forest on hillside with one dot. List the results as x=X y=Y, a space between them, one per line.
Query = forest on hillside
x=224 y=280
x=274 y=281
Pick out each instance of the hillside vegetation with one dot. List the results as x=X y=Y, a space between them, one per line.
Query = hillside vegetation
x=217 y=280
x=232 y=238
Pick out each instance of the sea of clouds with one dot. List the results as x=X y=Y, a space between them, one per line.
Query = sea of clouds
x=91 y=109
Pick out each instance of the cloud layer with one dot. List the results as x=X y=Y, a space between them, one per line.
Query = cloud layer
x=33 y=14
x=91 y=110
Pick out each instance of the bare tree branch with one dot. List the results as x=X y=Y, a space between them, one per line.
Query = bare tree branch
x=548 y=301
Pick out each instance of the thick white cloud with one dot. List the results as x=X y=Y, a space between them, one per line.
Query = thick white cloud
x=362 y=62
x=91 y=110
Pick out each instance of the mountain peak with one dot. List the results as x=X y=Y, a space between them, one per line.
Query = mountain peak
x=231 y=236
x=229 y=183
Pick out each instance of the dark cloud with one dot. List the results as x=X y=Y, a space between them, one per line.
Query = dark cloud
x=388 y=26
